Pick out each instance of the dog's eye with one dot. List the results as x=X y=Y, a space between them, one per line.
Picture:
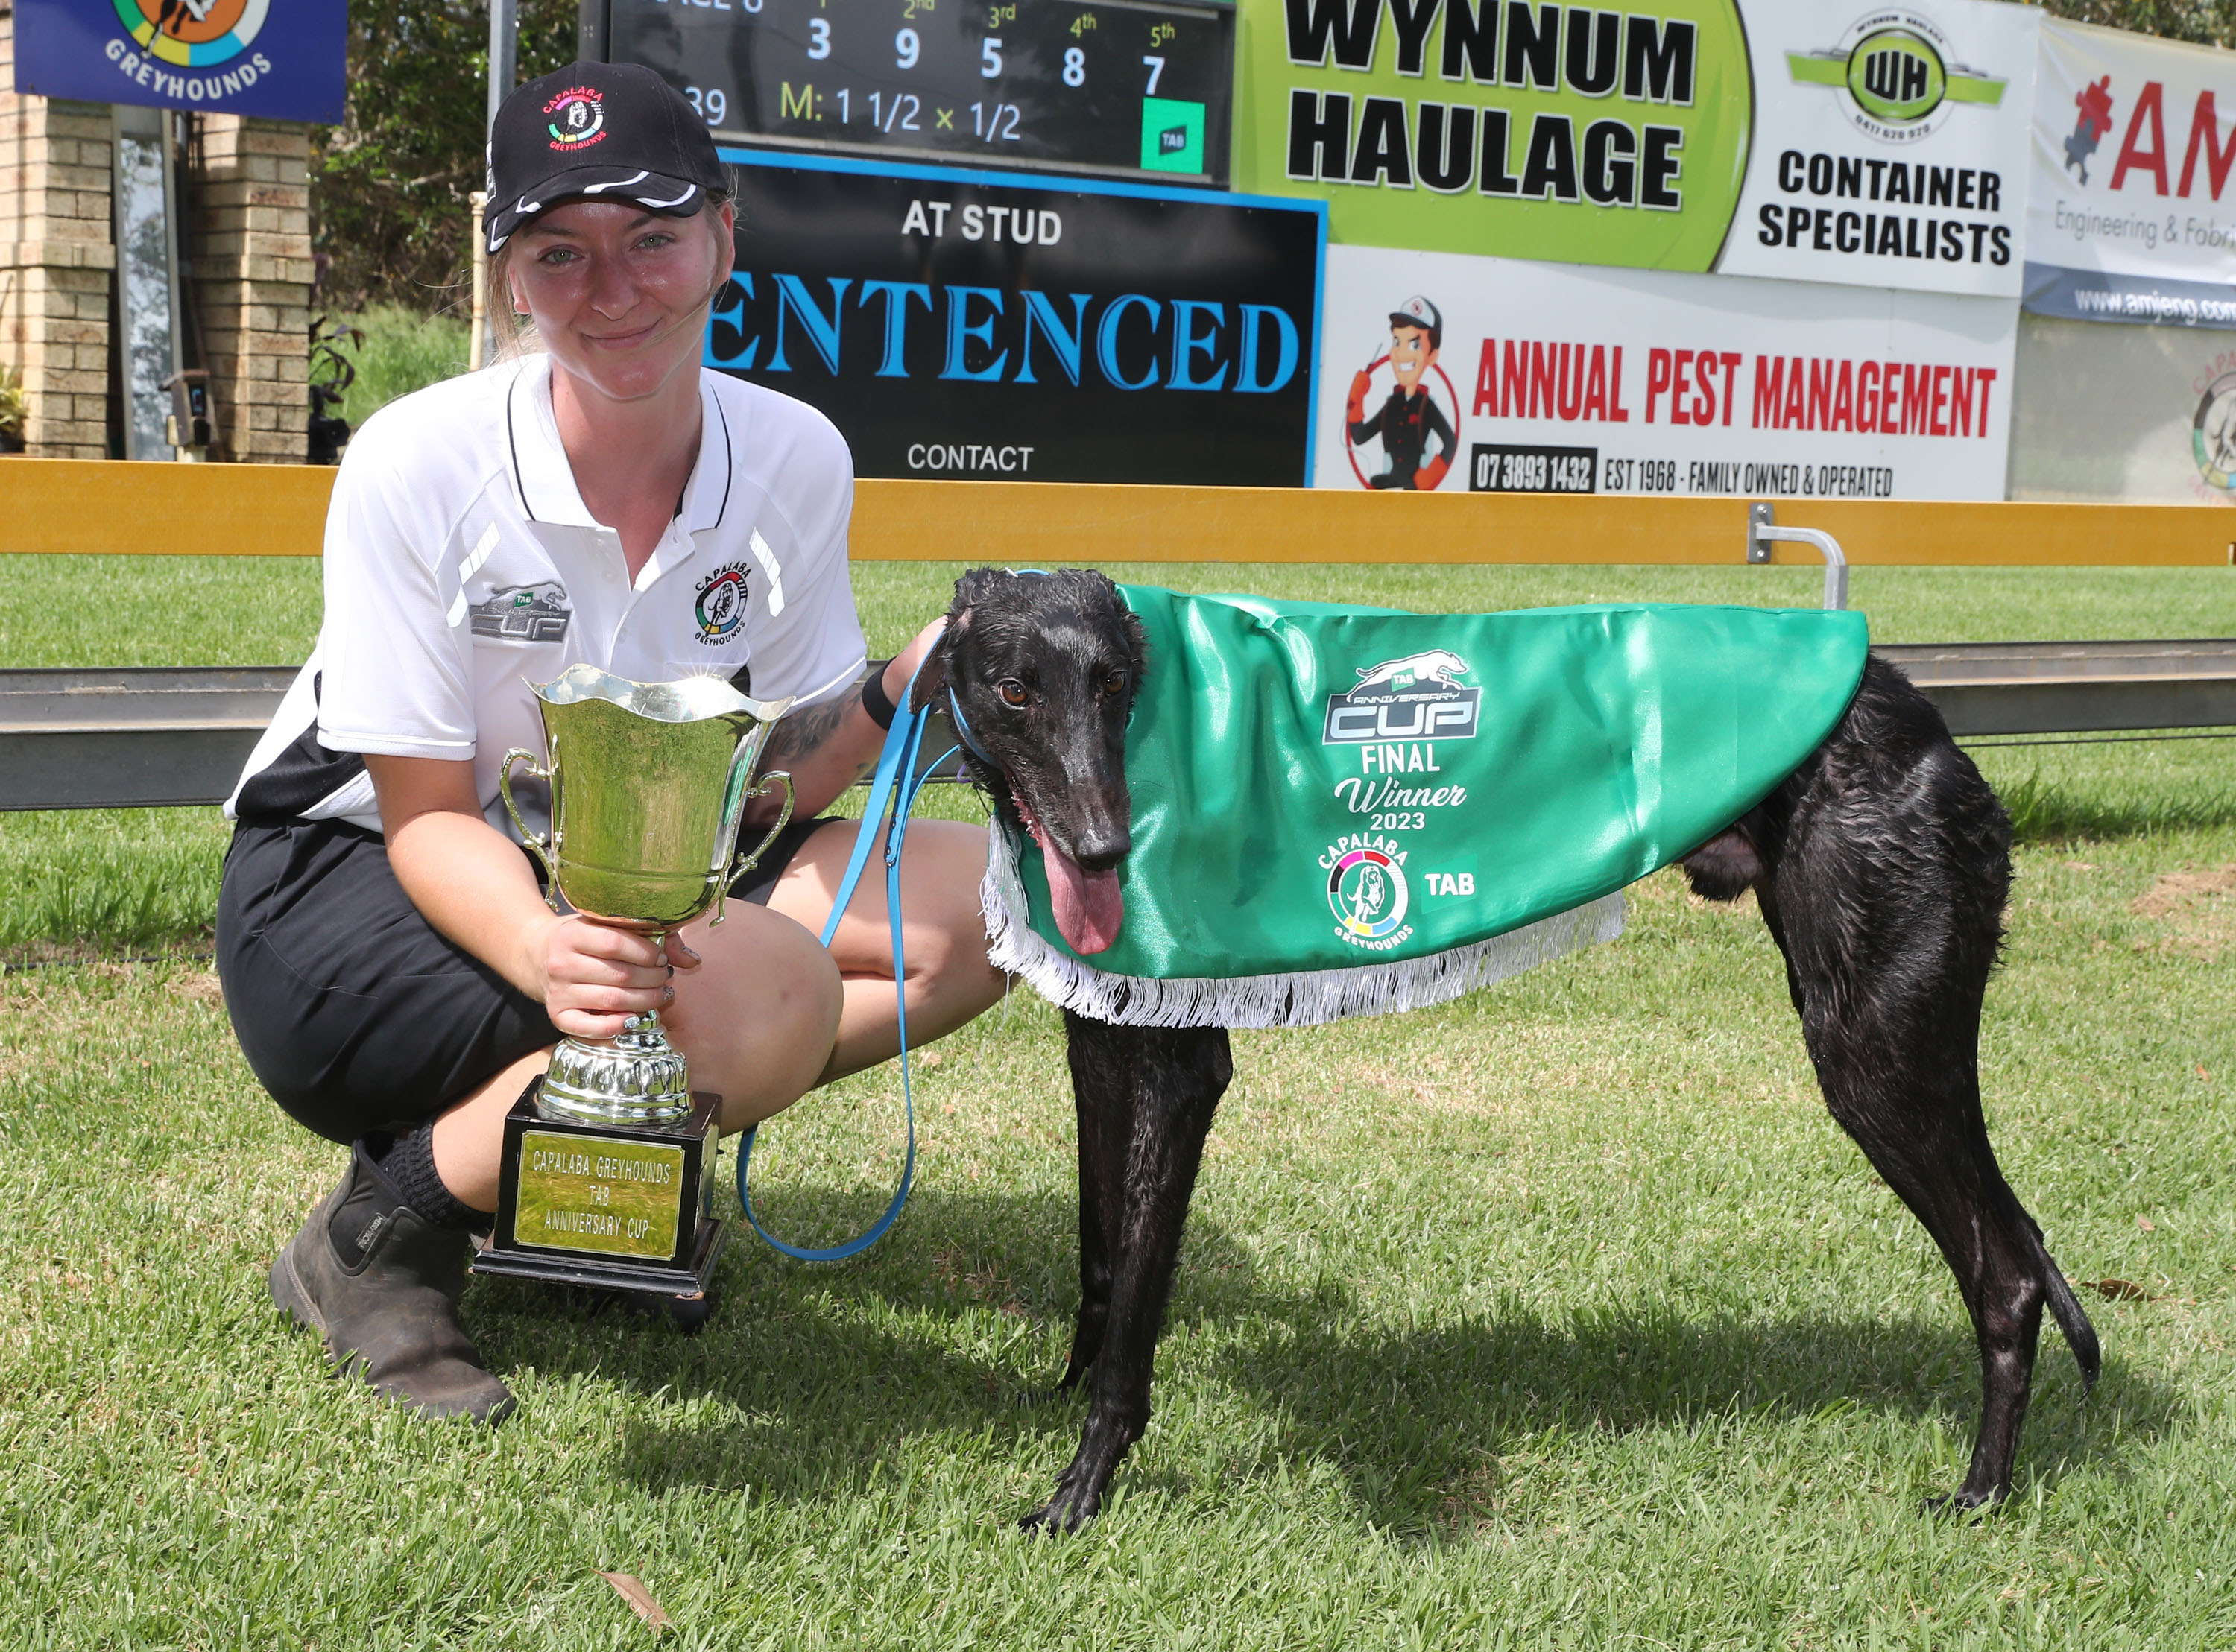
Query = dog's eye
x=1013 y=692
x=1113 y=682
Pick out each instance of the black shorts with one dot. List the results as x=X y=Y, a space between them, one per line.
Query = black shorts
x=352 y=1011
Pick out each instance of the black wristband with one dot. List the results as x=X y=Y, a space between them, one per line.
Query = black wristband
x=874 y=699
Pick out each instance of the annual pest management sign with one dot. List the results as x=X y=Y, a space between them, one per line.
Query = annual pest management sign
x=968 y=324
x=1448 y=372
x=280 y=59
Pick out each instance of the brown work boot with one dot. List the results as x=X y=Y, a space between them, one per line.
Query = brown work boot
x=381 y=1283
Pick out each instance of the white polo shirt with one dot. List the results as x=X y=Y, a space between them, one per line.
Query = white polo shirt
x=461 y=566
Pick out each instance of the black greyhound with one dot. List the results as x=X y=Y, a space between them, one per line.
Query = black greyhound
x=1881 y=865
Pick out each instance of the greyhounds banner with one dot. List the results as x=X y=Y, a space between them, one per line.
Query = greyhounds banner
x=1452 y=372
x=1815 y=140
x=1345 y=811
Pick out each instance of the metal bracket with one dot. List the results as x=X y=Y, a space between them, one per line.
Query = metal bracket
x=1763 y=532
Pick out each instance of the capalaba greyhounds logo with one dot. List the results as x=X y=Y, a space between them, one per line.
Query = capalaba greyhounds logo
x=192 y=34
x=720 y=608
x=576 y=118
x=2213 y=433
x=1417 y=428
x=1366 y=891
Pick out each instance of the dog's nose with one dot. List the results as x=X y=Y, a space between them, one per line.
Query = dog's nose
x=1100 y=845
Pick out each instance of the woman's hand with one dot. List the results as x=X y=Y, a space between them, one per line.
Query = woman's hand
x=903 y=665
x=594 y=976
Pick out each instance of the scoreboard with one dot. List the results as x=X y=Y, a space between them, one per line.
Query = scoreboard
x=1118 y=87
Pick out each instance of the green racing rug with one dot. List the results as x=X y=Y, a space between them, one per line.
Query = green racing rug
x=1342 y=811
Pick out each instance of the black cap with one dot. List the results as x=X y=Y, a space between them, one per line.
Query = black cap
x=607 y=131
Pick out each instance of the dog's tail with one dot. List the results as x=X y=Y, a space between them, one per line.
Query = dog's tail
x=2080 y=1334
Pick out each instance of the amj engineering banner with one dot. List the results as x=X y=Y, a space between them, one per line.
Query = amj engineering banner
x=2131 y=213
x=1812 y=140
x=1444 y=371
x=970 y=325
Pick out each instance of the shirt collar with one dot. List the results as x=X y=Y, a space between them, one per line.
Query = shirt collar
x=706 y=496
x=546 y=480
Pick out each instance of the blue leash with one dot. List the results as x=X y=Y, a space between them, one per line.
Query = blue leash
x=898 y=781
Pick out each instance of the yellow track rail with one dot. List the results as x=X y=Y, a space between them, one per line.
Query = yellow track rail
x=65 y=505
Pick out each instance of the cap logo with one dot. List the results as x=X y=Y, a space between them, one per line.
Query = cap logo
x=576 y=118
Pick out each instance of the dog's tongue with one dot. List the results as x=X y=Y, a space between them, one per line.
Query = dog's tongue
x=1089 y=905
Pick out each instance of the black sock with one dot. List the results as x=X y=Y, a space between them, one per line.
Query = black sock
x=408 y=1161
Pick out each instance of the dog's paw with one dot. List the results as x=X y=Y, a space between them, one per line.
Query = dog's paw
x=1069 y=1509
x=1966 y=1501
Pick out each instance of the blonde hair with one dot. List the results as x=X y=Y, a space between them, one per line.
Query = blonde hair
x=516 y=330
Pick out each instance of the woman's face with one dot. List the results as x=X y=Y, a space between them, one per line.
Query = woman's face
x=619 y=295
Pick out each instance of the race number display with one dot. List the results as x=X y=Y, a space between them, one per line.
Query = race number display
x=1082 y=85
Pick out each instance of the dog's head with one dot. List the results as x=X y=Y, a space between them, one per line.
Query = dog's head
x=1043 y=669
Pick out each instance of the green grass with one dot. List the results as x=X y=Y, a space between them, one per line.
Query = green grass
x=403 y=352
x=1560 y=1316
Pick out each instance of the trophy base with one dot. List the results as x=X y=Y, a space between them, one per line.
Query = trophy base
x=608 y=1206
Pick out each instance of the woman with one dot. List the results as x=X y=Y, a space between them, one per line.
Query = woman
x=393 y=973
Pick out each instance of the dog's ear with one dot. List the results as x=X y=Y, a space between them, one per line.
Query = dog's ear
x=1137 y=646
x=969 y=590
x=932 y=676
x=974 y=587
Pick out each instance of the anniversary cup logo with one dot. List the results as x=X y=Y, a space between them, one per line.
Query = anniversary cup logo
x=1895 y=77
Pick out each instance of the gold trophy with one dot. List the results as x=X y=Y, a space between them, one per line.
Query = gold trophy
x=605 y=1177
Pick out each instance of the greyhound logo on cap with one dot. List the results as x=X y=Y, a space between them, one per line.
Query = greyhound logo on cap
x=578 y=118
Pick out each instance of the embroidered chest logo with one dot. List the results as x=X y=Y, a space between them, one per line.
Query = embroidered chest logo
x=578 y=118
x=720 y=608
x=1412 y=698
x=535 y=612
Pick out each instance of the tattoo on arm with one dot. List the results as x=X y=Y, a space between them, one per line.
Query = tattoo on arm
x=804 y=731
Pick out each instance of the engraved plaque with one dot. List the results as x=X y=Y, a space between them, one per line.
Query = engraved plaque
x=593 y=1193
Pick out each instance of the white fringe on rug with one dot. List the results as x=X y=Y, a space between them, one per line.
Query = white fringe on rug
x=1307 y=998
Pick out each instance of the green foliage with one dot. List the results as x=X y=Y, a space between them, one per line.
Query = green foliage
x=2207 y=23
x=403 y=351
x=391 y=182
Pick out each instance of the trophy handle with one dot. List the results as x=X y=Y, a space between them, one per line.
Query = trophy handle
x=748 y=863
x=536 y=846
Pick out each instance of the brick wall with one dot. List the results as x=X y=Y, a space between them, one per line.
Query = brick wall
x=57 y=255
x=248 y=251
x=249 y=241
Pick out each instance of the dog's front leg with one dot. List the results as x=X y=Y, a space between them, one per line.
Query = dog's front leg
x=1103 y=1091
x=1176 y=1078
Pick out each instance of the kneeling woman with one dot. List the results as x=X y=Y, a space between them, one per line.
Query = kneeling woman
x=393 y=971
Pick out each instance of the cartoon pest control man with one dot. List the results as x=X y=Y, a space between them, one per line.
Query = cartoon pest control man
x=1410 y=419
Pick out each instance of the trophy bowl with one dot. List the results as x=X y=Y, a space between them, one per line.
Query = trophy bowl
x=606 y=1168
x=648 y=784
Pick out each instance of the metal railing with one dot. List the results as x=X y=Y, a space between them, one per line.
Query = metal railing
x=128 y=738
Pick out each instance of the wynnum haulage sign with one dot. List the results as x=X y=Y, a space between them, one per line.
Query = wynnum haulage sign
x=1540 y=131
x=1814 y=140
